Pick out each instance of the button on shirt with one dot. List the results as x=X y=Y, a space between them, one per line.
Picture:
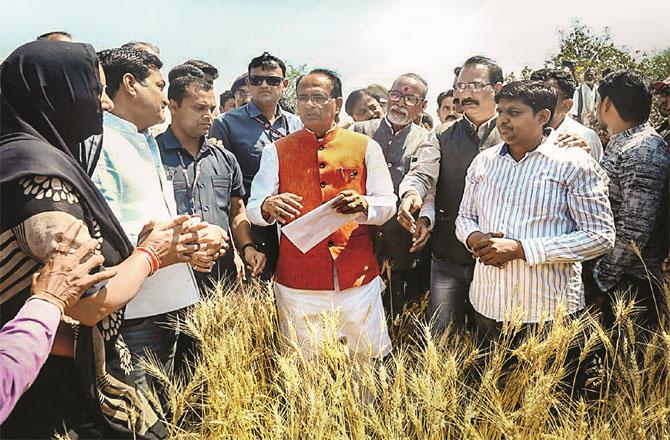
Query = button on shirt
x=219 y=178
x=130 y=176
x=554 y=201
x=244 y=132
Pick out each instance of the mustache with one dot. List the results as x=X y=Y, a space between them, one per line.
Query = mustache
x=399 y=110
x=469 y=101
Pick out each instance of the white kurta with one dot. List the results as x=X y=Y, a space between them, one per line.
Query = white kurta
x=358 y=312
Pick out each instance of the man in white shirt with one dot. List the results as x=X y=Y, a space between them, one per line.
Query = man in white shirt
x=564 y=86
x=324 y=163
x=585 y=96
x=531 y=212
x=130 y=176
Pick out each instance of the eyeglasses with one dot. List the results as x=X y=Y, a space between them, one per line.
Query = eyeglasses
x=316 y=99
x=473 y=87
x=411 y=100
x=257 y=80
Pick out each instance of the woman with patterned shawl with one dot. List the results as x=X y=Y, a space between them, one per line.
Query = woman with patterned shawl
x=51 y=99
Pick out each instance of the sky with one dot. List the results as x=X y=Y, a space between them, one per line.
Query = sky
x=365 y=41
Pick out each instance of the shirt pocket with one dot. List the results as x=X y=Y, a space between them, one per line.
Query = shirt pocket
x=181 y=197
x=221 y=185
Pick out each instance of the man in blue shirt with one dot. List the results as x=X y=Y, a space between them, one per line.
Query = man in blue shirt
x=246 y=130
x=207 y=179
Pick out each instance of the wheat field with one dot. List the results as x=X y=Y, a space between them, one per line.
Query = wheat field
x=247 y=384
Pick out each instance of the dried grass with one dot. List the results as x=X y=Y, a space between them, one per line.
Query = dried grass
x=247 y=384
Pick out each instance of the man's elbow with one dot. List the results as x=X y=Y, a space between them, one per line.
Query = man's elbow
x=604 y=241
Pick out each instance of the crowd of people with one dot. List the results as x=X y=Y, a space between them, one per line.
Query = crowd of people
x=510 y=206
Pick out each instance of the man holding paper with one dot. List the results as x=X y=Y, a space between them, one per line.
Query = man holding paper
x=319 y=165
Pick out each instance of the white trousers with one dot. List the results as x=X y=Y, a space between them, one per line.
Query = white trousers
x=314 y=318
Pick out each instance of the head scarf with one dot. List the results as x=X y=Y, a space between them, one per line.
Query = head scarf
x=49 y=104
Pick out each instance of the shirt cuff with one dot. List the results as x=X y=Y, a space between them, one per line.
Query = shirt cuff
x=603 y=285
x=467 y=232
x=256 y=217
x=48 y=313
x=534 y=250
x=377 y=214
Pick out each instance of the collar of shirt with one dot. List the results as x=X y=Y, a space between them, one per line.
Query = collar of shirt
x=622 y=136
x=170 y=142
x=129 y=131
x=255 y=112
x=389 y=126
x=479 y=131
x=543 y=148
x=121 y=125
x=326 y=134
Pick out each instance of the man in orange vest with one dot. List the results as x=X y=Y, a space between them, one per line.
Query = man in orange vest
x=340 y=274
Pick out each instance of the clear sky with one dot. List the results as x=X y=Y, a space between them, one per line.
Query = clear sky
x=365 y=41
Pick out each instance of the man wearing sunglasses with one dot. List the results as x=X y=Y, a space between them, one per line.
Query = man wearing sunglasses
x=246 y=130
x=443 y=168
x=324 y=163
x=400 y=139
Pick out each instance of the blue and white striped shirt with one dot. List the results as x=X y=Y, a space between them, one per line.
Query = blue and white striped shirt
x=554 y=201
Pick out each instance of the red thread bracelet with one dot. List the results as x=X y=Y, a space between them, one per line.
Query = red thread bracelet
x=153 y=259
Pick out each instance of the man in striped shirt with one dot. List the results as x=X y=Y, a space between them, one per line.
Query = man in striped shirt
x=531 y=212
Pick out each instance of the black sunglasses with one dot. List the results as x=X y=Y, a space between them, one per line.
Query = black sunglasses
x=257 y=80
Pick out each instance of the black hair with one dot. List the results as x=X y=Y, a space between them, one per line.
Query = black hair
x=119 y=61
x=336 y=82
x=416 y=77
x=141 y=45
x=184 y=70
x=629 y=94
x=353 y=98
x=427 y=119
x=179 y=88
x=207 y=68
x=239 y=82
x=48 y=34
x=495 y=71
x=267 y=61
x=449 y=93
x=225 y=96
x=535 y=94
x=564 y=81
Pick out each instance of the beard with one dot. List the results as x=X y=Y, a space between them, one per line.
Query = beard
x=396 y=119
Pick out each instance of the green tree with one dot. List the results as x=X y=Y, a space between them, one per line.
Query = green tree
x=657 y=66
x=583 y=48
x=292 y=74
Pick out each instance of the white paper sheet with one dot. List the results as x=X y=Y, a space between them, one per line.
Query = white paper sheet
x=313 y=227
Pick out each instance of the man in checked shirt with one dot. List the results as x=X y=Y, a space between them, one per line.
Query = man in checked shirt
x=531 y=213
x=637 y=162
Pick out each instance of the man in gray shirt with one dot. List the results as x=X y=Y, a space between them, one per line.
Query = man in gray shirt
x=246 y=130
x=400 y=139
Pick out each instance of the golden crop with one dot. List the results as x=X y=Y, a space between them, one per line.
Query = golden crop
x=248 y=384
